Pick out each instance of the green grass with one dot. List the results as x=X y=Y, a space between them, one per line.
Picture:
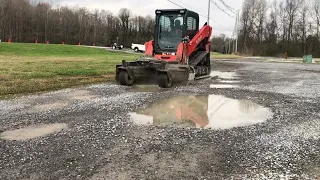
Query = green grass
x=215 y=55
x=29 y=68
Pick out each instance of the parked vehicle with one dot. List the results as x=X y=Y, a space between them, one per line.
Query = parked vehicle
x=116 y=46
x=138 y=47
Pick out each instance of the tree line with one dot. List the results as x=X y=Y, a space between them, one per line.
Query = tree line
x=22 y=21
x=279 y=27
x=266 y=29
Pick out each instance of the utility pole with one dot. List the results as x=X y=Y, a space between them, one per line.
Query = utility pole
x=209 y=3
x=237 y=29
x=229 y=51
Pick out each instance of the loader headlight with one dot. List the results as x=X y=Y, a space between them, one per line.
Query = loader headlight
x=182 y=11
x=158 y=12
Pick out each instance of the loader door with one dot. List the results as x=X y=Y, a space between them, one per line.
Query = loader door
x=192 y=23
x=170 y=31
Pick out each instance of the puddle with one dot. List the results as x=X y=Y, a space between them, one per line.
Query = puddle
x=224 y=75
x=216 y=112
x=223 y=86
x=145 y=88
x=229 y=82
x=33 y=132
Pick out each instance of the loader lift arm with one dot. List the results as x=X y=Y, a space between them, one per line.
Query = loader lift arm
x=203 y=36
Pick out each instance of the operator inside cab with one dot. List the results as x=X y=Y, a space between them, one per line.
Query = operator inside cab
x=170 y=31
x=177 y=28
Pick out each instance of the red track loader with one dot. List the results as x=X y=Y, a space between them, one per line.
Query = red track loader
x=179 y=51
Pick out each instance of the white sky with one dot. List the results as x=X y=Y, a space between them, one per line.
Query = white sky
x=148 y=7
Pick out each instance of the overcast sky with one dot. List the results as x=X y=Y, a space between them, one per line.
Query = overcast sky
x=148 y=7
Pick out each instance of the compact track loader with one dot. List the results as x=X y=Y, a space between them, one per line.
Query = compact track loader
x=180 y=51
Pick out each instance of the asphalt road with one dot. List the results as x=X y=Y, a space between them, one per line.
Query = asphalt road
x=126 y=50
x=94 y=137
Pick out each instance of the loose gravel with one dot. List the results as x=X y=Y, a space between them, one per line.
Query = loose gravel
x=102 y=143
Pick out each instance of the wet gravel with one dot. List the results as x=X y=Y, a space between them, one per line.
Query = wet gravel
x=102 y=143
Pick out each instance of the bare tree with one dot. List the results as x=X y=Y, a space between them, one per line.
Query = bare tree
x=125 y=16
x=285 y=26
x=303 y=22
x=316 y=5
x=245 y=22
x=260 y=18
x=291 y=8
x=272 y=24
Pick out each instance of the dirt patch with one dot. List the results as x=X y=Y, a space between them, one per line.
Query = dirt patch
x=226 y=66
x=52 y=106
x=146 y=88
x=81 y=95
x=154 y=165
x=33 y=132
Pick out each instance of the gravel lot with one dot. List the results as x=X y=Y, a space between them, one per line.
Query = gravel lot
x=101 y=142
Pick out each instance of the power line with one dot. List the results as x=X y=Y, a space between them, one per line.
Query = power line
x=228 y=7
x=197 y=12
x=205 y=16
x=185 y=4
x=176 y=4
x=215 y=22
x=221 y=9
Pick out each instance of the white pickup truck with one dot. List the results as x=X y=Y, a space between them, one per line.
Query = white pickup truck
x=138 y=47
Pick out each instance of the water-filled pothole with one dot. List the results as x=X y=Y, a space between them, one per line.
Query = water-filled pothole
x=224 y=75
x=223 y=86
x=213 y=111
x=229 y=81
x=33 y=132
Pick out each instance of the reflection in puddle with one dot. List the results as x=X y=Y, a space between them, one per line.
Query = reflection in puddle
x=33 y=132
x=223 y=86
x=145 y=88
x=216 y=112
x=224 y=75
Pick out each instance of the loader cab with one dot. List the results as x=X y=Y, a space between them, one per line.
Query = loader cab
x=172 y=26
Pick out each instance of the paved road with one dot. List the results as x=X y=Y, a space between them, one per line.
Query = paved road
x=126 y=50
x=93 y=137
